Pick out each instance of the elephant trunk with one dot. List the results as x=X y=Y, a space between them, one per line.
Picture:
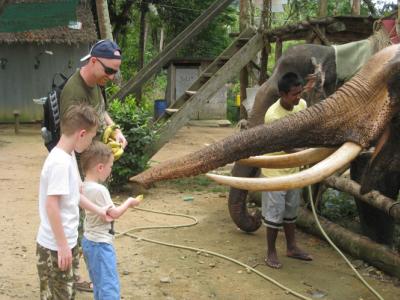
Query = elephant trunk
x=297 y=130
x=246 y=221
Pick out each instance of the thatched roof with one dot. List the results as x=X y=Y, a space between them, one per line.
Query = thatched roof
x=58 y=35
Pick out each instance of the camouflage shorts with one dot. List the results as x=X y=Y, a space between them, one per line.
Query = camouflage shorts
x=76 y=259
x=54 y=283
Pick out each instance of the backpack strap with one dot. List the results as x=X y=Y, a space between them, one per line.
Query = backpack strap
x=63 y=79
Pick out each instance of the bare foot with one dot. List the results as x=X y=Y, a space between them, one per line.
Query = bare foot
x=272 y=261
x=296 y=253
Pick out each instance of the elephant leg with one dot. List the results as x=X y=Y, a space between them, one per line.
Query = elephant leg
x=248 y=222
x=375 y=223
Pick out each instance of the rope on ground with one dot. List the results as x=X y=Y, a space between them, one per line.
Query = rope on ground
x=337 y=249
x=198 y=250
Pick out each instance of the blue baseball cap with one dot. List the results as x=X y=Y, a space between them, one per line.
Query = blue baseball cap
x=104 y=49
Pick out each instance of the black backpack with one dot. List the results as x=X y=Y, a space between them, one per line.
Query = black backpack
x=51 y=112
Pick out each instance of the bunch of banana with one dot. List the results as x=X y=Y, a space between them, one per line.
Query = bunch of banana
x=109 y=138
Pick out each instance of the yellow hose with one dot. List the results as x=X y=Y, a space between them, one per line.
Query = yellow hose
x=337 y=249
x=198 y=250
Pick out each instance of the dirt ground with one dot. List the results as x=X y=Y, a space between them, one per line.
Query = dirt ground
x=152 y=271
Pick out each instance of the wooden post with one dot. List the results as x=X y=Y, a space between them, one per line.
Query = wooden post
x=316 y=34
x=264 y=63
x=264 y=26
x=144 y=6
x=244 y=22
x=16 y=121
x=323 y=8
x=161 y=39
x=356 y=8
x=104 y=19
x=278 y=49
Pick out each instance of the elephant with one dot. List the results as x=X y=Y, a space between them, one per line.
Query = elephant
x=361 y=114
x=304 y=60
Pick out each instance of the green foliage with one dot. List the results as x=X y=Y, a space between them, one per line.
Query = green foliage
x=176 y=15
x=337 y=205
x=154 y=89
x=298 y=10
x=136 y=124
x=271 y=57
x=130 y=50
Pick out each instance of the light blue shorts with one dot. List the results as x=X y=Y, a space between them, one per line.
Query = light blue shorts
x=280 y=207
x=102 y=265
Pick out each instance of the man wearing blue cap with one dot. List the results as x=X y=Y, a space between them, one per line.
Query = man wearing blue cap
x=102 y=63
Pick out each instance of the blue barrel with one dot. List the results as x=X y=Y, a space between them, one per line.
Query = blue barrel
x=159 y=107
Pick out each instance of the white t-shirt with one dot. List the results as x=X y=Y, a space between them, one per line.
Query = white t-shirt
x=59 y=176
x=97 y=230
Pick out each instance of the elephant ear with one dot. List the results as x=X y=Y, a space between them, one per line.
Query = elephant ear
x=314 y=87
x=385 y=162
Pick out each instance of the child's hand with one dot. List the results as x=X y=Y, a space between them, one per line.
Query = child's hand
x=135 y=201
x=104 y=214
x=64 y=258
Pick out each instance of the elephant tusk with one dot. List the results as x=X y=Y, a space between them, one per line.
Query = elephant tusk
x=301 y=158
x=346 y=153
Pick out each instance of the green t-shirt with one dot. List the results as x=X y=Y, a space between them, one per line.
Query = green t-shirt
x=77 y=91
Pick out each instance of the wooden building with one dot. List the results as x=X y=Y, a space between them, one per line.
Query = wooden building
x=33 y=49
x=182 y=73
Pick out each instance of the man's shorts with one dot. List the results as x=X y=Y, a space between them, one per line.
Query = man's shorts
x=54 y=283
x=280 y=207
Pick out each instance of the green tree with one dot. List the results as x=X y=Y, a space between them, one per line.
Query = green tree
x=176 y=15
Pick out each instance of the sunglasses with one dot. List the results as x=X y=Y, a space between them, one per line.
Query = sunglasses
x=107 y=70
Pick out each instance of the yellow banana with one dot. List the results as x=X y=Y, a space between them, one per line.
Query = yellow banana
x=108 y=138
x=114 y=150
x=113 y=144
x=110 y=132
x=113 y=134
x=106 y=134
x=117 y=153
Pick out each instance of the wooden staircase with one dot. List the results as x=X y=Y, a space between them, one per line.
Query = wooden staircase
x=135 y=83
x=227 y=65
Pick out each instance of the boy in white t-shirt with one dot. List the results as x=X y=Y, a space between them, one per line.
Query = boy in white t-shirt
x=98 y=236
x=59 y=198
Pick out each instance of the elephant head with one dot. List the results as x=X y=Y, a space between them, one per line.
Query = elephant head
x=360 y=114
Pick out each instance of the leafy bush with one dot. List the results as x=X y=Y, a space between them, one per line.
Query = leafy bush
x=337 y=206
x=136 y=124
